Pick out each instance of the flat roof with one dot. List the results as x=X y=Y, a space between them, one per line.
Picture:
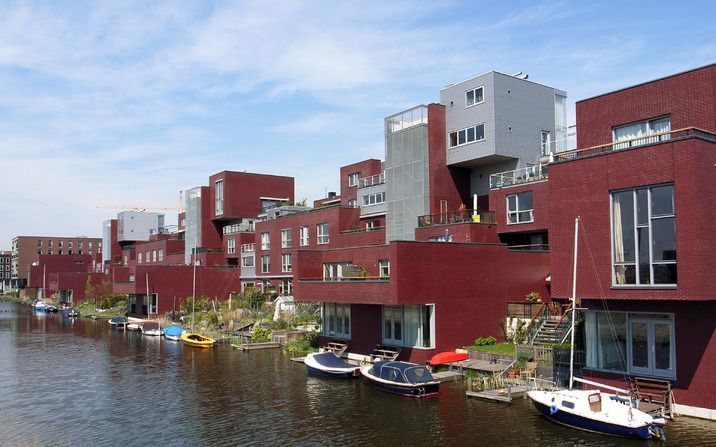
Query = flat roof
x=503 y=74
x=649 y=82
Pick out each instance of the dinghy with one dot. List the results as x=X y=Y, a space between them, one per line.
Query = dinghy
x=197 y=340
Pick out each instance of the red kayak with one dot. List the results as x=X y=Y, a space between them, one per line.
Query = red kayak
x=447 y=357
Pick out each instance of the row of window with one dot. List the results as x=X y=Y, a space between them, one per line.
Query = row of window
x=467 y=135
x=4 y=275
x=322 y=237
x=5 y=259
x=286 y=263
x=335 y=271
x=374 y=199
x=61 y=252
x=70 y=244
x=150 y=256
x=410 y=326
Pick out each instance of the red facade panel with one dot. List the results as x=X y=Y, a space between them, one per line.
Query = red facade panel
x=585 y=186
x=364 y=169
x=243 y=192
x=689 y=98
x=540 y=202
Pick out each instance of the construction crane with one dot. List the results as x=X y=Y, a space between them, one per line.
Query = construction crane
x=141 y=207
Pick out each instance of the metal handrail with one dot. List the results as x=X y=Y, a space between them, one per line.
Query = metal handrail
x=626 y=144
x=518 y=176
x=346 y=278
x=457 y=217
x=372 y=180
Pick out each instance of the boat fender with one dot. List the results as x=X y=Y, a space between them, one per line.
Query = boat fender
x=553 y=409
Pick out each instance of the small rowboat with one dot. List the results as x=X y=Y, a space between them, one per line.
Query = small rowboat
x=117 y=321
x=152 y=329
x=447 y=357
x=198 y=341
x=328 y=364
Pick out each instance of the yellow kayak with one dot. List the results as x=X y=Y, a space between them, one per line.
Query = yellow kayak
x=197 y=340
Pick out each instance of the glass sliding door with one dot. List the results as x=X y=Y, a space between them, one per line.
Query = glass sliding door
x=652 y=347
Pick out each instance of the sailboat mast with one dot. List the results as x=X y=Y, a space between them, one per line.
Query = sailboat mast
x=193 y=285
x=574 y=301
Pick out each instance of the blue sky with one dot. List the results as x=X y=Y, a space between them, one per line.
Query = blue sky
x=131 y=102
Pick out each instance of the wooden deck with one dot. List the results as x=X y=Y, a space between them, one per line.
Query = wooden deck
x=500 y=395
x=479 y=365
x=448 y=376
x=256 y=346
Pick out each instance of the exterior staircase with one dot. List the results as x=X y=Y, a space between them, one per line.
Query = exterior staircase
x=552 y=331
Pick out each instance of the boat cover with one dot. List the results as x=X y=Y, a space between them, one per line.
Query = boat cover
x=329 y=360
x=401 y=372
x=173 y=331
x=117 y=320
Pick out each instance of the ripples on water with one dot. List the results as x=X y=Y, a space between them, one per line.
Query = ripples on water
x=77 y=383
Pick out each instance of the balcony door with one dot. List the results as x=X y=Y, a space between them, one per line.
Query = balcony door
x=651 y=347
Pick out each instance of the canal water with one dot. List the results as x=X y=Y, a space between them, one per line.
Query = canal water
x=77 y=383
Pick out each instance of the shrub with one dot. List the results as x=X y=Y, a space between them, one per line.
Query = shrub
x=260 y=334
x=533 y=297
x=485 y=341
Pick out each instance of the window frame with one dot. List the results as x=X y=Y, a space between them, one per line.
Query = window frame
x=647 y=138
x=650 y=218
x=384 y=268
x=286 y=263
x=304 y=236
x=286 y=238
x=517 y=210
x=231 y=246
x=321 y=237
x=473 y=91
x=266 y=264
x=353 y=178
x=266 y=240
x=457 y=134
x=335 y=320
x=219 y=197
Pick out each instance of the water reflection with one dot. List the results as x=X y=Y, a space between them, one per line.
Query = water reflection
x=113 y=387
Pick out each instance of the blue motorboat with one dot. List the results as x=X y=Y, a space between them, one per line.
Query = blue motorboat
x=403 y=378
x=39 y=305
x=330 y=365
x=173 y=332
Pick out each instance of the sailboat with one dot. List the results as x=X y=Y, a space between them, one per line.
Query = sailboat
x=593 y=410
x=189 y=337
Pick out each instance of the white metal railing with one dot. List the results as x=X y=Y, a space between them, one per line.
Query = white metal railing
x=407 y=119
x=377 y=179
x=242 y=227
x=517 y=176
x=246 y=248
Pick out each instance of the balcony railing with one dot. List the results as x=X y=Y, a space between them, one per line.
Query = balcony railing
x=673 y=135
x=518 y=176
x=346 y=279
x=246 y=248
x=377 y=179
x=457 y=217
x=239 y=228
x=407 y=119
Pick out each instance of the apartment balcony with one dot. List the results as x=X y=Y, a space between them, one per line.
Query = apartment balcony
x=248 y=248
x=518 y=176
x=243 y=227
x=457 y=217
x=405 y=120
x=377 y=179
x=640 y=141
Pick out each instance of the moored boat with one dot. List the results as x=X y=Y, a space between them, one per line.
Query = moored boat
x=173 y=332
x=197 y=340
x=39 y=305
x=448 y=357
x=329 y=364
x=152 y=329
x=117 y=321
x=70 y=312
x=403 y=378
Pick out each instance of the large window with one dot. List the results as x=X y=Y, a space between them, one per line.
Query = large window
x=644 y=236
x=546 y=142
x=139 y=258
x=474 y=96
x=322 y=236
x=468 y=135
x=247 y=261
x=231 y=246
x=303 y=236
x=333 y=271
x=374 y=199
x=265 y=264
x=410 y=326
x=286 y=262
x=265 y=241
x=520 y=208
x=638 y=134
x=632 y=343
x=337 y=320
x=219 y=197
x=286 y=236
x=353 y=179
